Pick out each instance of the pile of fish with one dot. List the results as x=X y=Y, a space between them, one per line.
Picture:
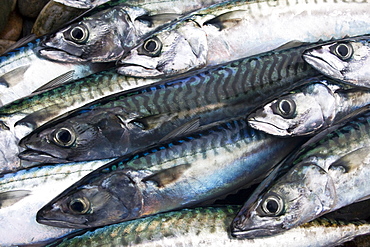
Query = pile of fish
x=188 y=123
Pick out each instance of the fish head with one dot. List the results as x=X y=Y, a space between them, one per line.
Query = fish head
x=83 y=137
x=101 y=38
x=96 y=200
x=298 y=113
x=301 y=195
x=167 y=53
x=345 y=60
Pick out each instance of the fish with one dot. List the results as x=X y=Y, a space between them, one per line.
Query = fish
x=182 y=173
x=329 y=172
x=236 y=29
x=166 y=109
x=23 y=72
x=112 y=29
x=206 y=226
x=345 y=60
x=309 y=109
x=24 y=192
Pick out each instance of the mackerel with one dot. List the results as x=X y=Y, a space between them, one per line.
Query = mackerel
x=346 y=60
x=22 y=72
x=329 y=172
x=236 y=29
x=181 y=173
x=135 y=119
x=309 y=109
x=24 y=192
x=210 y=227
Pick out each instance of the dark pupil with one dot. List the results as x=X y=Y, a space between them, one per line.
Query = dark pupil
x=285 y=107
x=272 y=206
x=78 y=206
x=151 y=46
x=77 y=33
x=343 y=50
x=64 y=136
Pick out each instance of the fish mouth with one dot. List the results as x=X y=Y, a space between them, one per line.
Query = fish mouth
x=252 y=233
x=138 y=70
x=59 y=55
x=39 y=156
x=267 y=127
x=318 y=62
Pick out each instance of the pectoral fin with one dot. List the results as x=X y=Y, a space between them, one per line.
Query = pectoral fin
x=160 y=19
x=11 y=197
x=352 y=160
x=167 y=176
x=227 y=20
x=188 y=127
x=12 y=78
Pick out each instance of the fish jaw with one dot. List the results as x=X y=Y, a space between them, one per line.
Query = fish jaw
x=297 y=198
x=325 y=62
x=94 y=204
x=35 y=156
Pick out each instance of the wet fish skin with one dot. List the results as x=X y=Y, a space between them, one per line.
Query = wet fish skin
x=112 y=29
x=328 y=173
x=42 y=184
x=212 y=95
x=207 y=226
x=166 y=177
x=309 y=109
x=235 y=29
x=346 y=60
x=22 y=72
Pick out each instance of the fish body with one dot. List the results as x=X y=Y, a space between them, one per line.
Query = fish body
x=181 y=173
x=235 y=29
x=309 y=109
x=346 y=60
x=166 y=109
x=24 y=192
x=328 y=173
x=110 y=30
x=22 y=72
x=208 y=226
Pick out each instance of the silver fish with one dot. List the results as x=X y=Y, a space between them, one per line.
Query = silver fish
x=235 y=29
x=346 y=60
x=209 y=226
x=184 y=172
x=308 y=109
x=105 y=35
x=22 y=72
x=329 y=172
x=23 y=193
x=133 y=120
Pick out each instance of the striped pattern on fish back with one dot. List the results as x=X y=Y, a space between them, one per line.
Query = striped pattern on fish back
x=249 y=81
x=352 y=135
x=200 y=221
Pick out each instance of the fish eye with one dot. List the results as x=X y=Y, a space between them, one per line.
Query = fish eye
x=79 y=205
x=151 y=47
x=78 y=34
x=64 y=137
x=343 y=51
x=272 y=205
x=285 y=108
